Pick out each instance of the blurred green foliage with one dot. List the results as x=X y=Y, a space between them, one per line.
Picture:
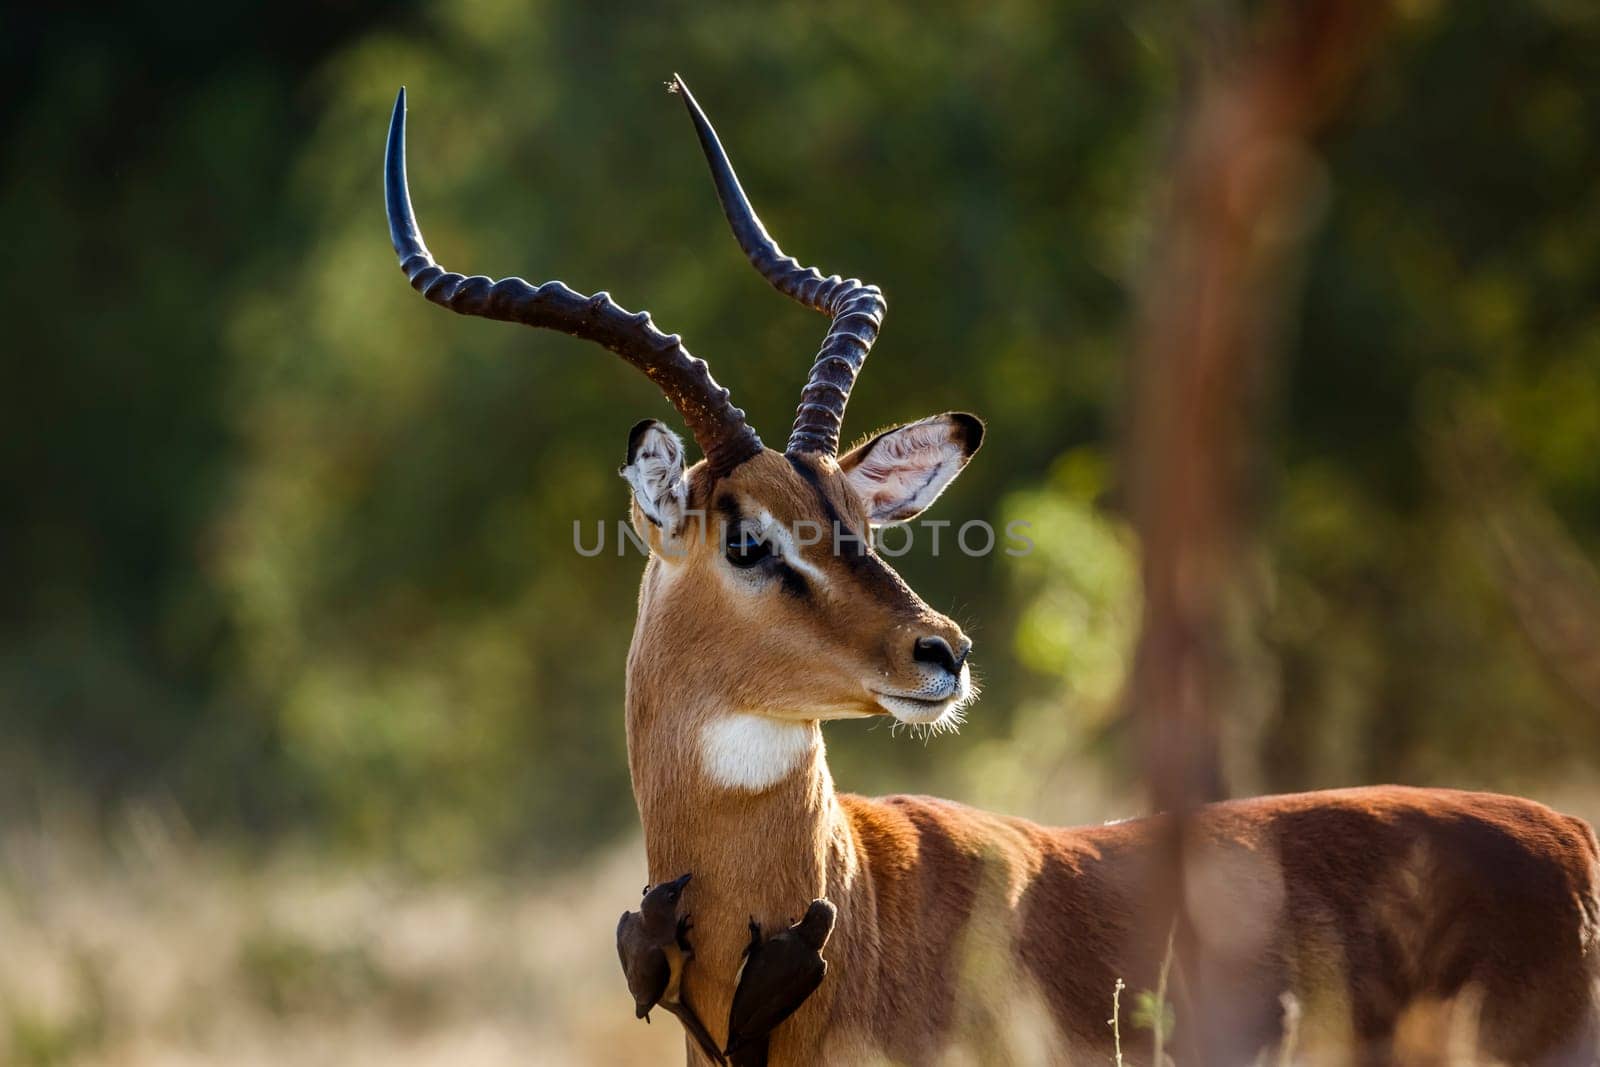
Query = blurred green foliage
x=294 y=547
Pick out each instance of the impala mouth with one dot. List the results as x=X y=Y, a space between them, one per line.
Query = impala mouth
x=938 y=711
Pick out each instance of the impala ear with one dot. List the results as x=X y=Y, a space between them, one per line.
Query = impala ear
x=654 y=469
x=899 y=472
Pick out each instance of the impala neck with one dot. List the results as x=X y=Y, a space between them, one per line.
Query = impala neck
x=744 y=803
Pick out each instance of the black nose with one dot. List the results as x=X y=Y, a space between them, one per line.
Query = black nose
x=937 y=650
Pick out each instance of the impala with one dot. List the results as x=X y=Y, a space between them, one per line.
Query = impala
x=958 y=926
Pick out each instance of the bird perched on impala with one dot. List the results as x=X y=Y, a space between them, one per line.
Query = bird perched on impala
x=653 y=945
x=778 y=974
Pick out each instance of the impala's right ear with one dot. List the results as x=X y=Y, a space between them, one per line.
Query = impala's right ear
x=901 y=471
x=655 y=469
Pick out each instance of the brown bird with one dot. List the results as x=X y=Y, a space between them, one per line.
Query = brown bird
x=653 y=945
x=779 y=973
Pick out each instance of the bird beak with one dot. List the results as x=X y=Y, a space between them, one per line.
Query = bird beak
x=679 y=883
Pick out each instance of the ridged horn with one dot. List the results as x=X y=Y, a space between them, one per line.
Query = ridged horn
x=718 y=427
x=857 y=309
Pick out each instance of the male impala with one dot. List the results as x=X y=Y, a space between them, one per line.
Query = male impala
x=957 y=926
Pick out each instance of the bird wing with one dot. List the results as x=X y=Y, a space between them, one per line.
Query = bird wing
x=644 y=964
x=746 y=996
x=773 y=987
x=648 y=980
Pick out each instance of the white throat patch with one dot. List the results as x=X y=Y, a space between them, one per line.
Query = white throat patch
x=753 y=752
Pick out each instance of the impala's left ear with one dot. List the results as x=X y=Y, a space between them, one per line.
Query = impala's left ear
x=899 y=472
x=655 y=470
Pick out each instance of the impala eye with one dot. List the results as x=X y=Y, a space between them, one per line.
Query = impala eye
x=746 y=549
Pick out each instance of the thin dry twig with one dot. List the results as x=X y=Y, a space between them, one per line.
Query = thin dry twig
x=1291 y=1029
x=1114 y=1021
x=1159 y=1042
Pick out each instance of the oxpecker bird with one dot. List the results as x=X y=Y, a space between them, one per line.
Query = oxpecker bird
x=779 y=973
x=653 y=945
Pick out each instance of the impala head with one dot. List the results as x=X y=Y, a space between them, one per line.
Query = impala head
x=763 y=592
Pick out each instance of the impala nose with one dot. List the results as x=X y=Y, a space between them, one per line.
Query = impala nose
x=937 y=650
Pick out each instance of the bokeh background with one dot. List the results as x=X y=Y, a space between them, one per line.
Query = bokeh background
x=312 y=715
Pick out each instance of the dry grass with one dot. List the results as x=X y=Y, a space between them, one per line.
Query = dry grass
x=157 y=952
x=149 y=948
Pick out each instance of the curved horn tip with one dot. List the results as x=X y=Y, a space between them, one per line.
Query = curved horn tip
x=397 y=118
x=403 y=231
x=679 y=87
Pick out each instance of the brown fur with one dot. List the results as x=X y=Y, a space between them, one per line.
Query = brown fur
x=956 y=923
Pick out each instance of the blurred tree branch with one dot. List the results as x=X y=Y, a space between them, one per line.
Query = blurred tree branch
x=1220 y=278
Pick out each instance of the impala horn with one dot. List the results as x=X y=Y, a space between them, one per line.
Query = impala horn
x=718 y=427
x=857 y=309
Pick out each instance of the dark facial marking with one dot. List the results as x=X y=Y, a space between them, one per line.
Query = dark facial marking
x=854 y=549
x=847 y=534
x=791 y=581
x=728 y=508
